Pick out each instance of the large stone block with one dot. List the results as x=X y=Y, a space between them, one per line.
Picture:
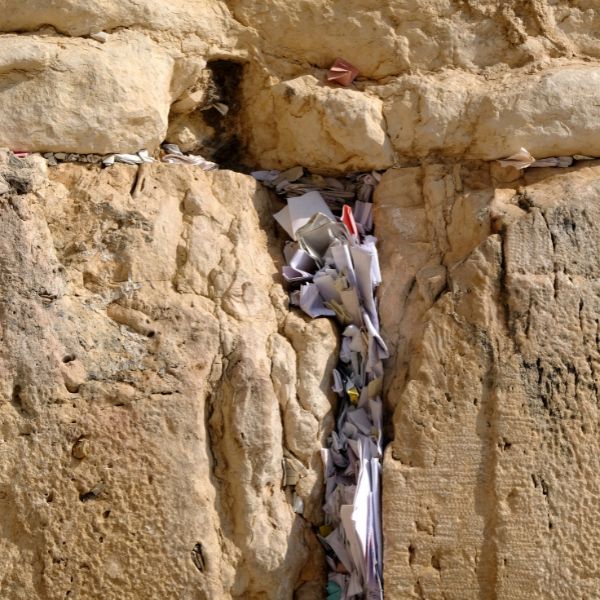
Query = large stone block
x=150 y=384
x=551 y=112
x=490 y=481
x=83 y=96
x=304 y=121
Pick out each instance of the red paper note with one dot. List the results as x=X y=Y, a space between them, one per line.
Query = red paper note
x=342 y=72
x=348 y=220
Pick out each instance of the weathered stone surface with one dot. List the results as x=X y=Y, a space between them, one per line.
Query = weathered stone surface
x=486 y=493
x=75 y=18
x=161 y=338
x=124 y=100
x=488 y=79
x=464 y=115
x=324 y=125
x=151 y=375
x=387 y=38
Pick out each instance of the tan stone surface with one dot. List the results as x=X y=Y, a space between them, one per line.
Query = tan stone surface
x=474 y=80
x=84 y=96
x=466 y=115
x=387 y=38
x=152 y=378
x=82 y=18
x=322 y=124
x=151 y=375
x=490 y=483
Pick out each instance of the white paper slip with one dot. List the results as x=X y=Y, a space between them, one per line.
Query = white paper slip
x=370 y=245
x=284 y=219
x=312 y=303
x=325 y=282
x=363 y=214
x=363 y=264
x=302 y=208
x=336 y=541
x=318 y=234
x=343 y=262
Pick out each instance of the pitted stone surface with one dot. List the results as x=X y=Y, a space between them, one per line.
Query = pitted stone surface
x=151 y=381
x=486 y=490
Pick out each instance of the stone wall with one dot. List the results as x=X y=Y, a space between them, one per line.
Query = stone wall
x=150 y=386
x=152 y=377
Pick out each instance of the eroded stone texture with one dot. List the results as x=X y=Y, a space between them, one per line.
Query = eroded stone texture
x=472 y=80
x=88 y=97
x=349 y=126
x=74 y=18
x=151 y=375
x=489 y=484
x=152 y=378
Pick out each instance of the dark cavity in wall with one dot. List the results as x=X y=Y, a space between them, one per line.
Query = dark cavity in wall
x=227 y=76
x=206 y=130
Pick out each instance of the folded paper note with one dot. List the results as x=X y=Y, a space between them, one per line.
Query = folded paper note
x=175 y=156
x=342 y=72
x=520 y=160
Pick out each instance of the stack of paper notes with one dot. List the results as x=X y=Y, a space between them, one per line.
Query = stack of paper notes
x=333 y=271
x=335 y=191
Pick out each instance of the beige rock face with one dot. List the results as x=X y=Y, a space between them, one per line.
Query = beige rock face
x=152 y=378
x=324 y=125
x=490 y=78
x=75 y=18
x=123 y=104
x=464 y=115
x=489 y=484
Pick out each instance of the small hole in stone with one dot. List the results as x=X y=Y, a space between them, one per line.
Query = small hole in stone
x=151 y=334
x=69 y=358
x=198 y=557
x=106 y=514
x=49 y=497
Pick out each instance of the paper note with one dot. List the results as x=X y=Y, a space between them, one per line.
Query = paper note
x=342 y=72
x=312 y=303
x=520 y=160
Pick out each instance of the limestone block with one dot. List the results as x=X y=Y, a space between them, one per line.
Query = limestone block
x=388 y=38
x=463 y=115
x=551 y=113
x=76 y=18
x=484 y=495
x=126 y=87
x=305 y=121
x=142 y=409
